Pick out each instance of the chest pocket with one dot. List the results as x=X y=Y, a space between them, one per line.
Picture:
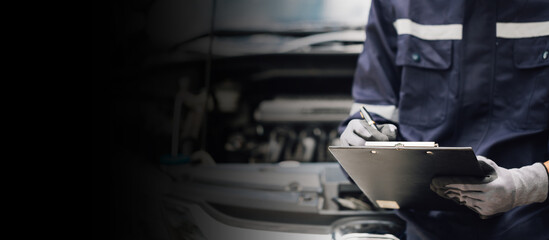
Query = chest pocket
x=531 y=60
x=426 y=80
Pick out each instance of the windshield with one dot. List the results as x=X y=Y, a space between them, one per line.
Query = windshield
x=290 y=15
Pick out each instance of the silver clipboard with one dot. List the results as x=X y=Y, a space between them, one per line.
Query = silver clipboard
x=397 y=175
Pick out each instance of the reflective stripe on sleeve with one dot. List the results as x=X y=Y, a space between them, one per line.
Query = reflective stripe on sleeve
x=388 y=112
x=522 y=30
x=429 y=32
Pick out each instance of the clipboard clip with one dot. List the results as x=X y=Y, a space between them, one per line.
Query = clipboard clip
x=403 y=144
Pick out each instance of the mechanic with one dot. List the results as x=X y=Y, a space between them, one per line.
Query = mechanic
x=469 y=73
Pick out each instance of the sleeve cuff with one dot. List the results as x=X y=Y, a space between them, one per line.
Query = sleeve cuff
x=546 y=165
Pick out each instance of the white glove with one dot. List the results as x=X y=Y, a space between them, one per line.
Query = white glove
x=358 y=132
x=500 y=191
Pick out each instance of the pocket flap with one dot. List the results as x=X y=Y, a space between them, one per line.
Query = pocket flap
x=531 y=52
x=431 y=54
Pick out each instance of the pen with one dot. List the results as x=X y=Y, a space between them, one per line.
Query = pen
x=366 y=115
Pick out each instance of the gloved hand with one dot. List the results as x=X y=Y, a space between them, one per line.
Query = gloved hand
x=358 y=132
x=500 y=191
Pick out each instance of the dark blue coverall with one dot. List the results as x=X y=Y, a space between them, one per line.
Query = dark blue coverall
x=478 y=78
